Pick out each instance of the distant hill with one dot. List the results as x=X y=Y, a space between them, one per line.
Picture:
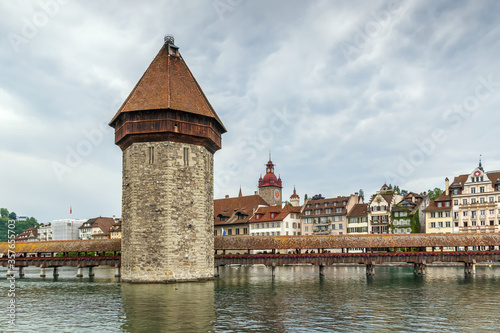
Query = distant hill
x=20 y=225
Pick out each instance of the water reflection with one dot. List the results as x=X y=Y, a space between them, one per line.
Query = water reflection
x=248 y=299
x=183 y=307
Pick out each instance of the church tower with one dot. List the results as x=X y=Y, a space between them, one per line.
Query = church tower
x=295 y=199
x=270 y=186
x=168 y=133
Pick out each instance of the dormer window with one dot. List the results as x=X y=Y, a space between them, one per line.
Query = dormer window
x=222 y=218
x=241 y=216
x=273 y=215
x=257 y=217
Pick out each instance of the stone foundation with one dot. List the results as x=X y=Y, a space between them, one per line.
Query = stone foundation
x=167 y=207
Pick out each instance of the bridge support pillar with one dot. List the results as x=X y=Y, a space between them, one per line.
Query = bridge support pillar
x=419 y=268
x=117 y=271
x=470 y=268
x=56 y=271
x=91 y=271
x=79 y=272
x=21 y=271
x=273 y=267
x=322 y=269
x=42 y=271
x=216 y=271
x=370 y=269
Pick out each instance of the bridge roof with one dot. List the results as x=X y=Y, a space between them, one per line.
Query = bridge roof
x=354 y=241
x=91 y=245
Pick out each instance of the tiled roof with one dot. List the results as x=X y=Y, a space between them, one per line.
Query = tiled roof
x=281 y=213
x=329 y=204
x=104 y=223
x=493 y=176
x=65 y=246
x=444 y=197
x=358 y=210
x=231 y=208
x=168 y=84
x=387 y=197
x=459 y=179
x=433 y=207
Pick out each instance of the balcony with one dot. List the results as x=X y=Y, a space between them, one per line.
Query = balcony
x=480 y=229
x=378 y=222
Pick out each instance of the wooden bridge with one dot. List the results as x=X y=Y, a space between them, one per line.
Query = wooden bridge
x=368 y=250
x=55 y=254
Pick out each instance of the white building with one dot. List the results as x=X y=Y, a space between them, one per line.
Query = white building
x=44 y=232
x=66 y=229
x=280 y=220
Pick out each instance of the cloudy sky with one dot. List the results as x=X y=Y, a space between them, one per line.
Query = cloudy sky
x=346 y=95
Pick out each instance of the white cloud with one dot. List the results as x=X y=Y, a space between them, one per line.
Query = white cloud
x=352 y=119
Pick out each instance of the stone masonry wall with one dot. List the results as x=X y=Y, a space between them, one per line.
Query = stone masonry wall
x=167 y=209
x=267 y=193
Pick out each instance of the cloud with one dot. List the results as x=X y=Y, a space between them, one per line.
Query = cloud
x=350 y=117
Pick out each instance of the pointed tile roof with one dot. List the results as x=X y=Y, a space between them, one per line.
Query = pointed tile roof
x=230 y=208
x=168 y=84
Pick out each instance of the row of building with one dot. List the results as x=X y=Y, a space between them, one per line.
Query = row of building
x=73 y=229
x=471 y=203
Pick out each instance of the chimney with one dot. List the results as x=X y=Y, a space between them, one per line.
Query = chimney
x=255 y=192
x=447 y=186
x=227 y=196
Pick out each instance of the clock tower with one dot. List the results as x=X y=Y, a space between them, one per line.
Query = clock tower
x=270 y=186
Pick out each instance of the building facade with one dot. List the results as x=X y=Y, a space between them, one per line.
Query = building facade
x=231 y=215
x=66 y=229
x=476 y=201
x=439 y=213
x=327 y=216
x=379 y=209
x=280 y=220
x=408 y=215
x=357 y=219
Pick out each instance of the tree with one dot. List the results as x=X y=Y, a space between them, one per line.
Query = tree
x=317 y=197
x=305 y=197
x=434 y=194
x=362 y=194
x=4 y=212
x=12 y=216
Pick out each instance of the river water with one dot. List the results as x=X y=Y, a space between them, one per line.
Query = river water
x=247 y=299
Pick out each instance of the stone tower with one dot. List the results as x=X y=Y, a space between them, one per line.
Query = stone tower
x=295 y=199
x=270 y=186
x=168 y=132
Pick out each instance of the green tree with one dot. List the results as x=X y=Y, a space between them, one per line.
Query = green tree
x=362 y=194
x=4 y=212
x=12 y=216
x=20 y=226
x=415 y=223
x=434 y=194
